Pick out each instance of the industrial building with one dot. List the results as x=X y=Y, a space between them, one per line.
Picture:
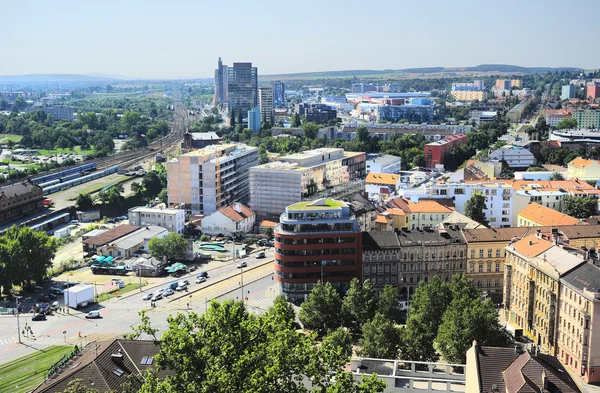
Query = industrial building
x=20 y=199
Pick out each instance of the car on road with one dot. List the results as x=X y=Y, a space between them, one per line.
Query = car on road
x=193 y=268
x=181 y=287
x=157 y=296
x=261 y=255
x=200 y=280
x=74 y=222
x=203 y=274
x=168 y=292
x=147 y=296
x=161 y=291
x=39 y=317
x=242 y=264
x=55 y=305
x=93 y=315
x=56 y=291
x=186 y=282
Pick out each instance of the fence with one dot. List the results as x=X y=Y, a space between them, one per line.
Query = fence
x=59 y=366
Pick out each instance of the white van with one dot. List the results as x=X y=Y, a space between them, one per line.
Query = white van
x=93 y=314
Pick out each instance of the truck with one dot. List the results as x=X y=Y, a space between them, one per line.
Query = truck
x=79 y=296
x=47 y=202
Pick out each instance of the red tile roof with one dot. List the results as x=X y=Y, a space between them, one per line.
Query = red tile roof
x=236 y=212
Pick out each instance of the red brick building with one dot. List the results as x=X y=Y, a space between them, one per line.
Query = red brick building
x=436 y=152
x=592 y=92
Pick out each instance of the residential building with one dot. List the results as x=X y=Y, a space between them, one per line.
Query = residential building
x=587 y=118
x=254 y=119
x=58 y=113
x=384 y=163
x=278 y=94
x=499 y=203
x=297 y=177
x=242 y=88
x=583 y=169
x=363 y=210
x=204 y=180
x=537 y=215
x=568 y=92
x=483 y=116
x=221 y=84
x=436 y=152
x=267 y=226
x=513 y=370
x=421 y=214
x=515 y=113
x=266 y=103
x=592 y=92
x=171 y=219
x=105 y=366
x=94 y=243
x=462 y=95
x=316 y=241
x=431 y=132
x=198 y=140
x=404 y=258
x=456 y=219
x=412 y=113
x=508 y=84
x=384 y=222
x=381 y=184
x=20 y=199
x=475 y=86
x=514 y=156
x=129 y=244
x=553 y=119
x=229 y=220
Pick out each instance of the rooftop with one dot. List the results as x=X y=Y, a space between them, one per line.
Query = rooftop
x=111 y=235
x=319 y=204
x=531 y=246
x=581 y=162
x=204 y=136
x=143 y=209
x=585 y=276
x=236 y=212
x=267 y=224
x=384 y=159
x=382 y=178
x=18 y=189
x=561 y=260
x=545 y=216
x=133 y=239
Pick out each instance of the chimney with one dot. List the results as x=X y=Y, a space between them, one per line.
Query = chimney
x=538 y=232
x=544 y=380
x=531 y=243
x=237 y=207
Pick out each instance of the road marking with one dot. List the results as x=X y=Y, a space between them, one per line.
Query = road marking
x=8 y=341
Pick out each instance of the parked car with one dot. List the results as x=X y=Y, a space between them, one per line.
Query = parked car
x=168 y=292
x=262 y=242
x=56 y=291
x=203 y=274
x=39 y=317
x=157 y=296
x=242 y=264
x=147 y=296
x=193 y=268
x=200 y=280
x=261 y=255
x=55 y=305
x=93 y=314
x=74 y=222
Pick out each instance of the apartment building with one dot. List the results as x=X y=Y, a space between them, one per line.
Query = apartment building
x=436 y=152
x=420 y=214
x=384 y=163
x=537 y=215
x=381 y=185
x=296 y=177
x=508 y=84
x=461 y=95
x=499 y=204
x=514 y=156
x=265 y=103
x=431 y=132
x=567 y=92
x=583 y=169
x=587 y=118
x=171 y=219
x=316 y=241
x=204 y=180
x=58 y=113
x=410 y=112
x=405 y=258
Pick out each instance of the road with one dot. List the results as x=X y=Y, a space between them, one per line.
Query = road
x=119 y=314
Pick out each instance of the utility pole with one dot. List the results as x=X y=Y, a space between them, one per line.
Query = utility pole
x=140 y=274
x=18 y=323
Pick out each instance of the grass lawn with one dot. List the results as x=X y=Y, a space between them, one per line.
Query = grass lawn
x=109 y=295
x=24 y=374
x=75 y=150
x=4 y=138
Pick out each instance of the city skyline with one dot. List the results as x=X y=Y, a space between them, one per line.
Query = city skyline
x=154 y=41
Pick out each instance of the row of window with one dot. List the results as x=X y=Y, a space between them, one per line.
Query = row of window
x=481 y=265
x=375 y=256
x=413 y=267
x=326 y=251
x=500 y=252
x=334 y=262
x=327 y=240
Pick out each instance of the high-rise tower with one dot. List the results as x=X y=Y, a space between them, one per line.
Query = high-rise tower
x=220 y=84
x=242 y=88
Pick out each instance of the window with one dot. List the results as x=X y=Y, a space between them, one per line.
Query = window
x=479 y=283
x=472 y=253
x=118 y=372
x=489 y=267
x=497 y=266
x=481 y=253
x=488 y=283
x=497 y=253
x=481 y=268
x=147 y=360
x=496 y=283
x=489 y=252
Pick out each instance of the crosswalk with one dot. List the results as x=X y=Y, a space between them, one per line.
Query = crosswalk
x=8 y=341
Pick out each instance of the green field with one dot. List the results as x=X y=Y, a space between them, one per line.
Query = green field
x=4 y=138
x=24 y=374
x=76 y=150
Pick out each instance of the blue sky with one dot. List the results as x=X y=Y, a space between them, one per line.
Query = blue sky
x=182 y=39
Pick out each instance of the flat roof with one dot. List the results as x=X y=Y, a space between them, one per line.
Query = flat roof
x=155 y=210
x=78 y=288
x=319 y=204
x=111 y=235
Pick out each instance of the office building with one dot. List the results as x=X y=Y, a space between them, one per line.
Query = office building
x=317 y=113
x=436 y=152
x=592 y=92
x=316 y=241
x=587 y=119
x=411 y=112
x=204 y=180
x=171 y=219
x=384 y=163
x=568 y=92
x=242 y=88
x=265 y=103
x=279 y=94
x=221 y=86
x=254 y=119
x=58 y=113
x=466 y=95
x=20 y=199
x=404 y=258
x=514 y=156
x=298 y=177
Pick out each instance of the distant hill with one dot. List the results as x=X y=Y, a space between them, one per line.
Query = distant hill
x=52 y=78
x=500 y=68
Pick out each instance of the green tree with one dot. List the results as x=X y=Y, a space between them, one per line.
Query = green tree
x=557 y=176
x=296 y=120
x=321 y=311
x=163 y=196
x=232 y=118
x=84 y=201
x=282 y=308
x=169 y=246
x=152 y=184
x=339 y=343
x=228 y=349
x=475 y=208
x=566 y=123
x=579 y=207
x=388 y=304
x=380 y=339
x=359 y=305
x=311 y=130
x=535 y=169
x=137 y=188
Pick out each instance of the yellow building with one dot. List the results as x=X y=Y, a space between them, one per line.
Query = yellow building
x=401 y=219
x=536 y=215
x=468 y=95
x=422 y=214
x=583 y=169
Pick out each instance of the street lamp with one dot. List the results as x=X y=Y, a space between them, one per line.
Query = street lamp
x=18 y=322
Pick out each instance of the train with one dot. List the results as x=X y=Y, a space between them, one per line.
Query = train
x=79 y=180
x=65 y=173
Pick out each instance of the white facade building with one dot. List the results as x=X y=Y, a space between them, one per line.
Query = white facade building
x=228 y=220
x=265 y=103
x=515 y=157
x=385 y=163
x=171 y=219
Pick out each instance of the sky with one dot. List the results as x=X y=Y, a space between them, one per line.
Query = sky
x=172 y=39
